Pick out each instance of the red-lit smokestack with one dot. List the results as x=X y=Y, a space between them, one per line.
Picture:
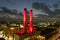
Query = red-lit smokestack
x=31 y=21
x=22 y=31
x=25 y=17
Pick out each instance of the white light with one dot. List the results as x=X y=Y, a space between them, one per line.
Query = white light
x=21 y=26
x=42 y=37
x=1 y=32
x=1 y=35
x=10 y=38
x=12 y=28
x=6 y=38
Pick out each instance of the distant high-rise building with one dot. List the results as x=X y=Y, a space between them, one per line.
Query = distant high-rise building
x=14 y=11
x=1 y=9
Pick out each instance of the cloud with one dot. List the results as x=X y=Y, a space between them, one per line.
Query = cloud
x=36 y=5
x=45 y=8
x=9 y=16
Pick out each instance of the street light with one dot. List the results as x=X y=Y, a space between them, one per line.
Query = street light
x=12 y=28
x=12 y=38
x=1 y=34
x=21 y=26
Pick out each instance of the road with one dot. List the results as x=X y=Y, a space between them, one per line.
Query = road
x=55 y=36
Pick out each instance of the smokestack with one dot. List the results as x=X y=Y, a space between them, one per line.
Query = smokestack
x=25 y=17
x=22 y=31
x=31 y=21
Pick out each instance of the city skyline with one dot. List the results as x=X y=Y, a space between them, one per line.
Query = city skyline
x=47 y=6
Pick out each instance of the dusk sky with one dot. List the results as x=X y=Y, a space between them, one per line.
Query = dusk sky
x=21 y=4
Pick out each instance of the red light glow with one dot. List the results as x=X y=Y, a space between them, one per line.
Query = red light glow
x=20 y=32
x=31 y=22
x=25 y=17
x=26 y=29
